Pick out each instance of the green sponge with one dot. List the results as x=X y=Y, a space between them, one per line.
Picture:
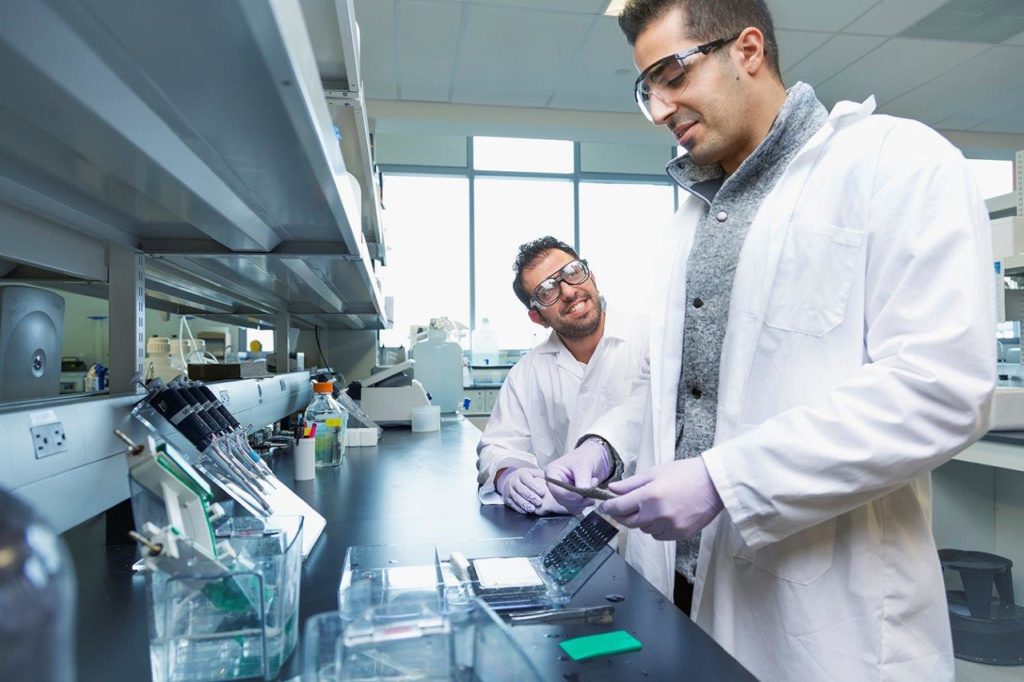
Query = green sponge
x=605 y=644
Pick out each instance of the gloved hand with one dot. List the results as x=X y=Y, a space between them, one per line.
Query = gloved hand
x=522 y=488
x=672 y=501
x=549 y=505
x=586 y=466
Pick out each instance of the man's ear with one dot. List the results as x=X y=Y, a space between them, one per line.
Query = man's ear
x=535 y=316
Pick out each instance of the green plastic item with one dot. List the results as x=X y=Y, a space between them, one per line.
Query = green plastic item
x=605 y=644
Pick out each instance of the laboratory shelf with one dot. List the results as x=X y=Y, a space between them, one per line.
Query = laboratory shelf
x=200 y=134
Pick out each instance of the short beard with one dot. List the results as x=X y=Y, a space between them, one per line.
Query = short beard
x=573 y=329
x=578 y=331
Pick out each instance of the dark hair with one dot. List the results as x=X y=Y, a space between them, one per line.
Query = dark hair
x=706 y=20
x=530 y=254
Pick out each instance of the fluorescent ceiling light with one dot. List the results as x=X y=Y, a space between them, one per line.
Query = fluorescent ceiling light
x=615 y=8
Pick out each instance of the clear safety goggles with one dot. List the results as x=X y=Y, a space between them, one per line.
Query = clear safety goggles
x=667 y=76
x=574 y=272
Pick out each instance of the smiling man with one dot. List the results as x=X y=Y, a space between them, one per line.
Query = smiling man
x=821 y=339
x=585 y=368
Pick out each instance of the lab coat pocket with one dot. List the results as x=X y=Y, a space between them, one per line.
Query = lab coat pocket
x=801 y=558
x=814 y=277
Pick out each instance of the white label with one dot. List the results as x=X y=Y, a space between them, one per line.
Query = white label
x=42 y=417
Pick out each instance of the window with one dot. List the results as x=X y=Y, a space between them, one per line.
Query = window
x=522 y=155
x=620 y=226
x=509 y=212
x=995 y=178
x=427 y=218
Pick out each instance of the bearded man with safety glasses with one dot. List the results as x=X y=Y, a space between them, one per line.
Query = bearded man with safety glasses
x=821 y=339
x=585 y=369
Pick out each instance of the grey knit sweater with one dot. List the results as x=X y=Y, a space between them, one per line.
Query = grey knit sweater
x=731 y=204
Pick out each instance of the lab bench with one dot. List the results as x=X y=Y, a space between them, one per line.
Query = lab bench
x=412 y=488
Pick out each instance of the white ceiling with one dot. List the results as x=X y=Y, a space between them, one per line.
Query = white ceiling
x=564 y=54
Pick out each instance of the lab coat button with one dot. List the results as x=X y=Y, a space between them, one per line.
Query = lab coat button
x=698 y=303
x=721 y=216
x=695 y=392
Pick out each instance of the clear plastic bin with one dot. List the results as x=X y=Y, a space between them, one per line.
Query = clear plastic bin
x=226 y=627
x=471 y=643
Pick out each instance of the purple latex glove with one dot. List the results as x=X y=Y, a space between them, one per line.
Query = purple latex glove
x=522 y=488
x=586 y=466
x=672 y=501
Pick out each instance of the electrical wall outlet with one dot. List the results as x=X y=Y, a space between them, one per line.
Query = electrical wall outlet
x=49 y=439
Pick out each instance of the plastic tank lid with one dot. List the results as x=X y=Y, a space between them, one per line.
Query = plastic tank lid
x=323 y=386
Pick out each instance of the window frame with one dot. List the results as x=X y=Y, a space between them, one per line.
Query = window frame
x=577 y=176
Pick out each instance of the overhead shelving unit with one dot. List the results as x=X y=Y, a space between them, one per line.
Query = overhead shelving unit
x=200 y=134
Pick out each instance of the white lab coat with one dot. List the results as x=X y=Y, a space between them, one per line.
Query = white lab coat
x=549 y=399
x=858 y=356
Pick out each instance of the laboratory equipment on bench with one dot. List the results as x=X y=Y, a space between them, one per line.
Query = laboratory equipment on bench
x=471 y=643
x=390 y=393
x=198 y=425
x=235 y=619
x=184 y=507
x=439 y=366
x=72 y=375
x=31 y=336
x=544 y=569
x=328 y=420
x=484 y=344
x=37 y=595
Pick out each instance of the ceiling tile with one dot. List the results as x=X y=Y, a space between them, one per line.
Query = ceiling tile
x=890 y=17
x=795 y=45
x=428 y=38
x=895 y=68
x=987 y=110
x=376 y=19
x=578 y=6
x=497 y=66
x=601 y=75
x=831 y=58
x=1010 y=122
x=963 y=88
x=817 y=15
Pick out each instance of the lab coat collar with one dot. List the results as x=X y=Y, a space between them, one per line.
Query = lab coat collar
x=846 y=111
x=800 y=110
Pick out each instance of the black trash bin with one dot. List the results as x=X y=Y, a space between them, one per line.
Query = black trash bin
x=987 y=628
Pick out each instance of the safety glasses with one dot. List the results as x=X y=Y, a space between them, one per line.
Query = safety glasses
x=667 y=76
x=574 y=272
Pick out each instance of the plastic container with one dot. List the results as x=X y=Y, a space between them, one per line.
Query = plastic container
x=439 y=368
x=469 y=644
x=239 y=625
x=331 y=420
x=305 y=459
x=426 y=418
x=485 y=344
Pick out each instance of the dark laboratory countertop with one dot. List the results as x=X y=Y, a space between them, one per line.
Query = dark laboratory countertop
x=1008 y=437
x=411 y=488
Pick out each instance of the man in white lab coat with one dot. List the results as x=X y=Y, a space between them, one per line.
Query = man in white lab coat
x=583 y=370
x=821 y=339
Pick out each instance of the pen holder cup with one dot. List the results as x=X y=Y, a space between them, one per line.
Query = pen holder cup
x=240 y=624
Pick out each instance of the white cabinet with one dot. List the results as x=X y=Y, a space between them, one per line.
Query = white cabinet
x=481 y=400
